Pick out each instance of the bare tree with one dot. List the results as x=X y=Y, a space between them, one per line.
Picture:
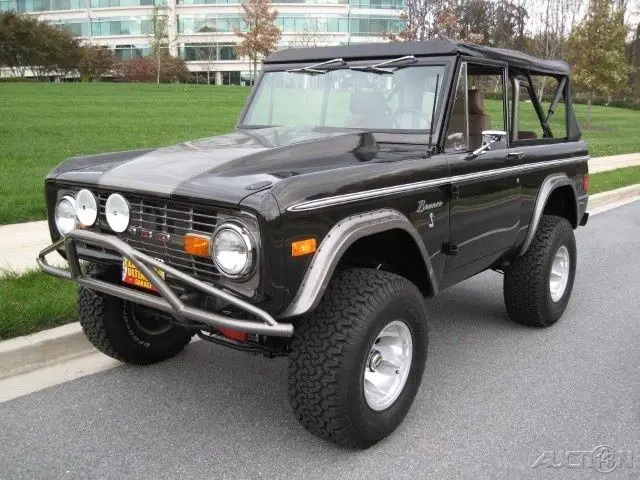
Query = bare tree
x=263 y=34
x=159 y=41
x=310 y=36
x=558 y=19
x=419 y=17
x=207 y=55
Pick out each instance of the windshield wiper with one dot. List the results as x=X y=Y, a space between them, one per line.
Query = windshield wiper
x=383 y=67
x=315 y=69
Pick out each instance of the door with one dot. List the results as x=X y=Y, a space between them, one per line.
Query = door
x=485 y=188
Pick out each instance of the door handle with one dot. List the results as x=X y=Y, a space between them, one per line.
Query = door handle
x=518 y=155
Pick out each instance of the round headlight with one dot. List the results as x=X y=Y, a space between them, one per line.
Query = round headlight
x=117 y=212
x=65 y=214
x=86 y=207
x=233 y=250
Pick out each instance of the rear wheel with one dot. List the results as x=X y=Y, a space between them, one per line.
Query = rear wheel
x=357 y=362
x=538 y=285
x=128 y=332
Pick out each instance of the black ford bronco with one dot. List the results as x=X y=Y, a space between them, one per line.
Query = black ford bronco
x=359 y=180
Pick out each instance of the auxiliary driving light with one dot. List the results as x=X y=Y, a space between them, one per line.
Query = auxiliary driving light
x=86 y=207
x=117 y=212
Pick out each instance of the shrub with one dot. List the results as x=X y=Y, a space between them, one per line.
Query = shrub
x=144 y=69
x=95 y=62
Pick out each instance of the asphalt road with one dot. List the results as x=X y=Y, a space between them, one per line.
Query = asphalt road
x=495 y=396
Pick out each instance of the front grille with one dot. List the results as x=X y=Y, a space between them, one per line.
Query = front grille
x=157 y=228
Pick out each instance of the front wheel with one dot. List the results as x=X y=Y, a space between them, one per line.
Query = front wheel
x=357 y=362
x=538 y=285
x=126 y=332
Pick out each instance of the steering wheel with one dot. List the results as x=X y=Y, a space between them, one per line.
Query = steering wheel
x=414 y=111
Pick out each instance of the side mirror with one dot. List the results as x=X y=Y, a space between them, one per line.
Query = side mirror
x=489 y=137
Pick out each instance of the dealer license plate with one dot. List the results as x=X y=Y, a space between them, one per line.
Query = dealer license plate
x=133 y=276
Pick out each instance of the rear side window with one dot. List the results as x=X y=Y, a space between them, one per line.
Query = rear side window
x=547 y=87
x=536 y=108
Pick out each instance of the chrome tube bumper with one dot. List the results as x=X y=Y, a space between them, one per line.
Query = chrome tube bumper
x=167 y=301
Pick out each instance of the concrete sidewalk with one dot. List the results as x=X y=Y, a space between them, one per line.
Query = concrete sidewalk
x=20 y=243
x=604 y=164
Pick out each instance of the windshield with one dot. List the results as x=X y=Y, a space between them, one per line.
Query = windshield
x=398 y=100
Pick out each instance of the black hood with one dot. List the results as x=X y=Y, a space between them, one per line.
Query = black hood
x=226 y=168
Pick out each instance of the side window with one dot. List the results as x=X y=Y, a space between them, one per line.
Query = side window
x=527 y=125
x=478 y=107
x=457 y=139
x=547 y=87
x=486 y=102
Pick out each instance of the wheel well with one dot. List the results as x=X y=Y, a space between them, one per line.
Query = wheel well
x=562 y=203
x=393 y=251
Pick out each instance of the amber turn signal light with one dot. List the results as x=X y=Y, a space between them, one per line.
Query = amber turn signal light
x=303 y=247
x=197 y=245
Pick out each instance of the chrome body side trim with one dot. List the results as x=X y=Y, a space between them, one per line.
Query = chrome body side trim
x=167 y=301
x=408 y=187
x=548 y=186
x=337 y=241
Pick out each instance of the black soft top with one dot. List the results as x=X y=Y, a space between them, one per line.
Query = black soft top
x=362 y=51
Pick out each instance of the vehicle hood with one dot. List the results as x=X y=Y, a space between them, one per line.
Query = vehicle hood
x=225 y=168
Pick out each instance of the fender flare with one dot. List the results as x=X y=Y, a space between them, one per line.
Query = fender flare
x=336 y=242
x=546 y=189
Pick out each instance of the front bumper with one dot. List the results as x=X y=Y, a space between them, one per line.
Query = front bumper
x=167 y=300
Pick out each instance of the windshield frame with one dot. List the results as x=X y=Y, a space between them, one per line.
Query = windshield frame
x=447 y=62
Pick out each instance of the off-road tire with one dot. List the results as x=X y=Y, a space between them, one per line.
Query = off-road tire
x=330 y=349
x=526 y=282
x=107 y=323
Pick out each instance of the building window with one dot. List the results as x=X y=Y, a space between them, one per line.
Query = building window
x=79 y=29
x=390 y=4
x=367 y=25
x=104 y=27
x=231 y=78
x=199 y=52
x=42 y=5
x=209 y=23
x=131 y=51
x=125 y=3
x=236 y=2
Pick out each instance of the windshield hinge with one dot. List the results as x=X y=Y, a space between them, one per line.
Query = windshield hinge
x=315 y=69
x=383 y=67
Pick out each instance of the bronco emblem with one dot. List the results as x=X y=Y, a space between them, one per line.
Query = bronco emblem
x=423 y=206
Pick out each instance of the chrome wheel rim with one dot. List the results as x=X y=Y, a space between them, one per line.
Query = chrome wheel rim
x=388 y=365
x=559 y=277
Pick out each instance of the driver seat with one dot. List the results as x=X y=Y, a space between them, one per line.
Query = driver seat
x=479 y=121
x=368 y=110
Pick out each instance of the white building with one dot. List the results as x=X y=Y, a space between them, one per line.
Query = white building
x=201 y=31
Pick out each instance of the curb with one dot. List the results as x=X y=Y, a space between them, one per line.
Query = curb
x=601 y=202
x=32 y=352
x=25 y=354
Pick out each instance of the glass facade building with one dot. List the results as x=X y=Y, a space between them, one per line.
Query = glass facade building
x=202 y=31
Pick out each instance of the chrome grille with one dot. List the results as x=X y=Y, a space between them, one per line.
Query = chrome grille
x=157 y=228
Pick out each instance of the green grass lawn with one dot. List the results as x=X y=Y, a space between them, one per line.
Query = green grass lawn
x=622 y=177
x=33 y=302
x=42 y=124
